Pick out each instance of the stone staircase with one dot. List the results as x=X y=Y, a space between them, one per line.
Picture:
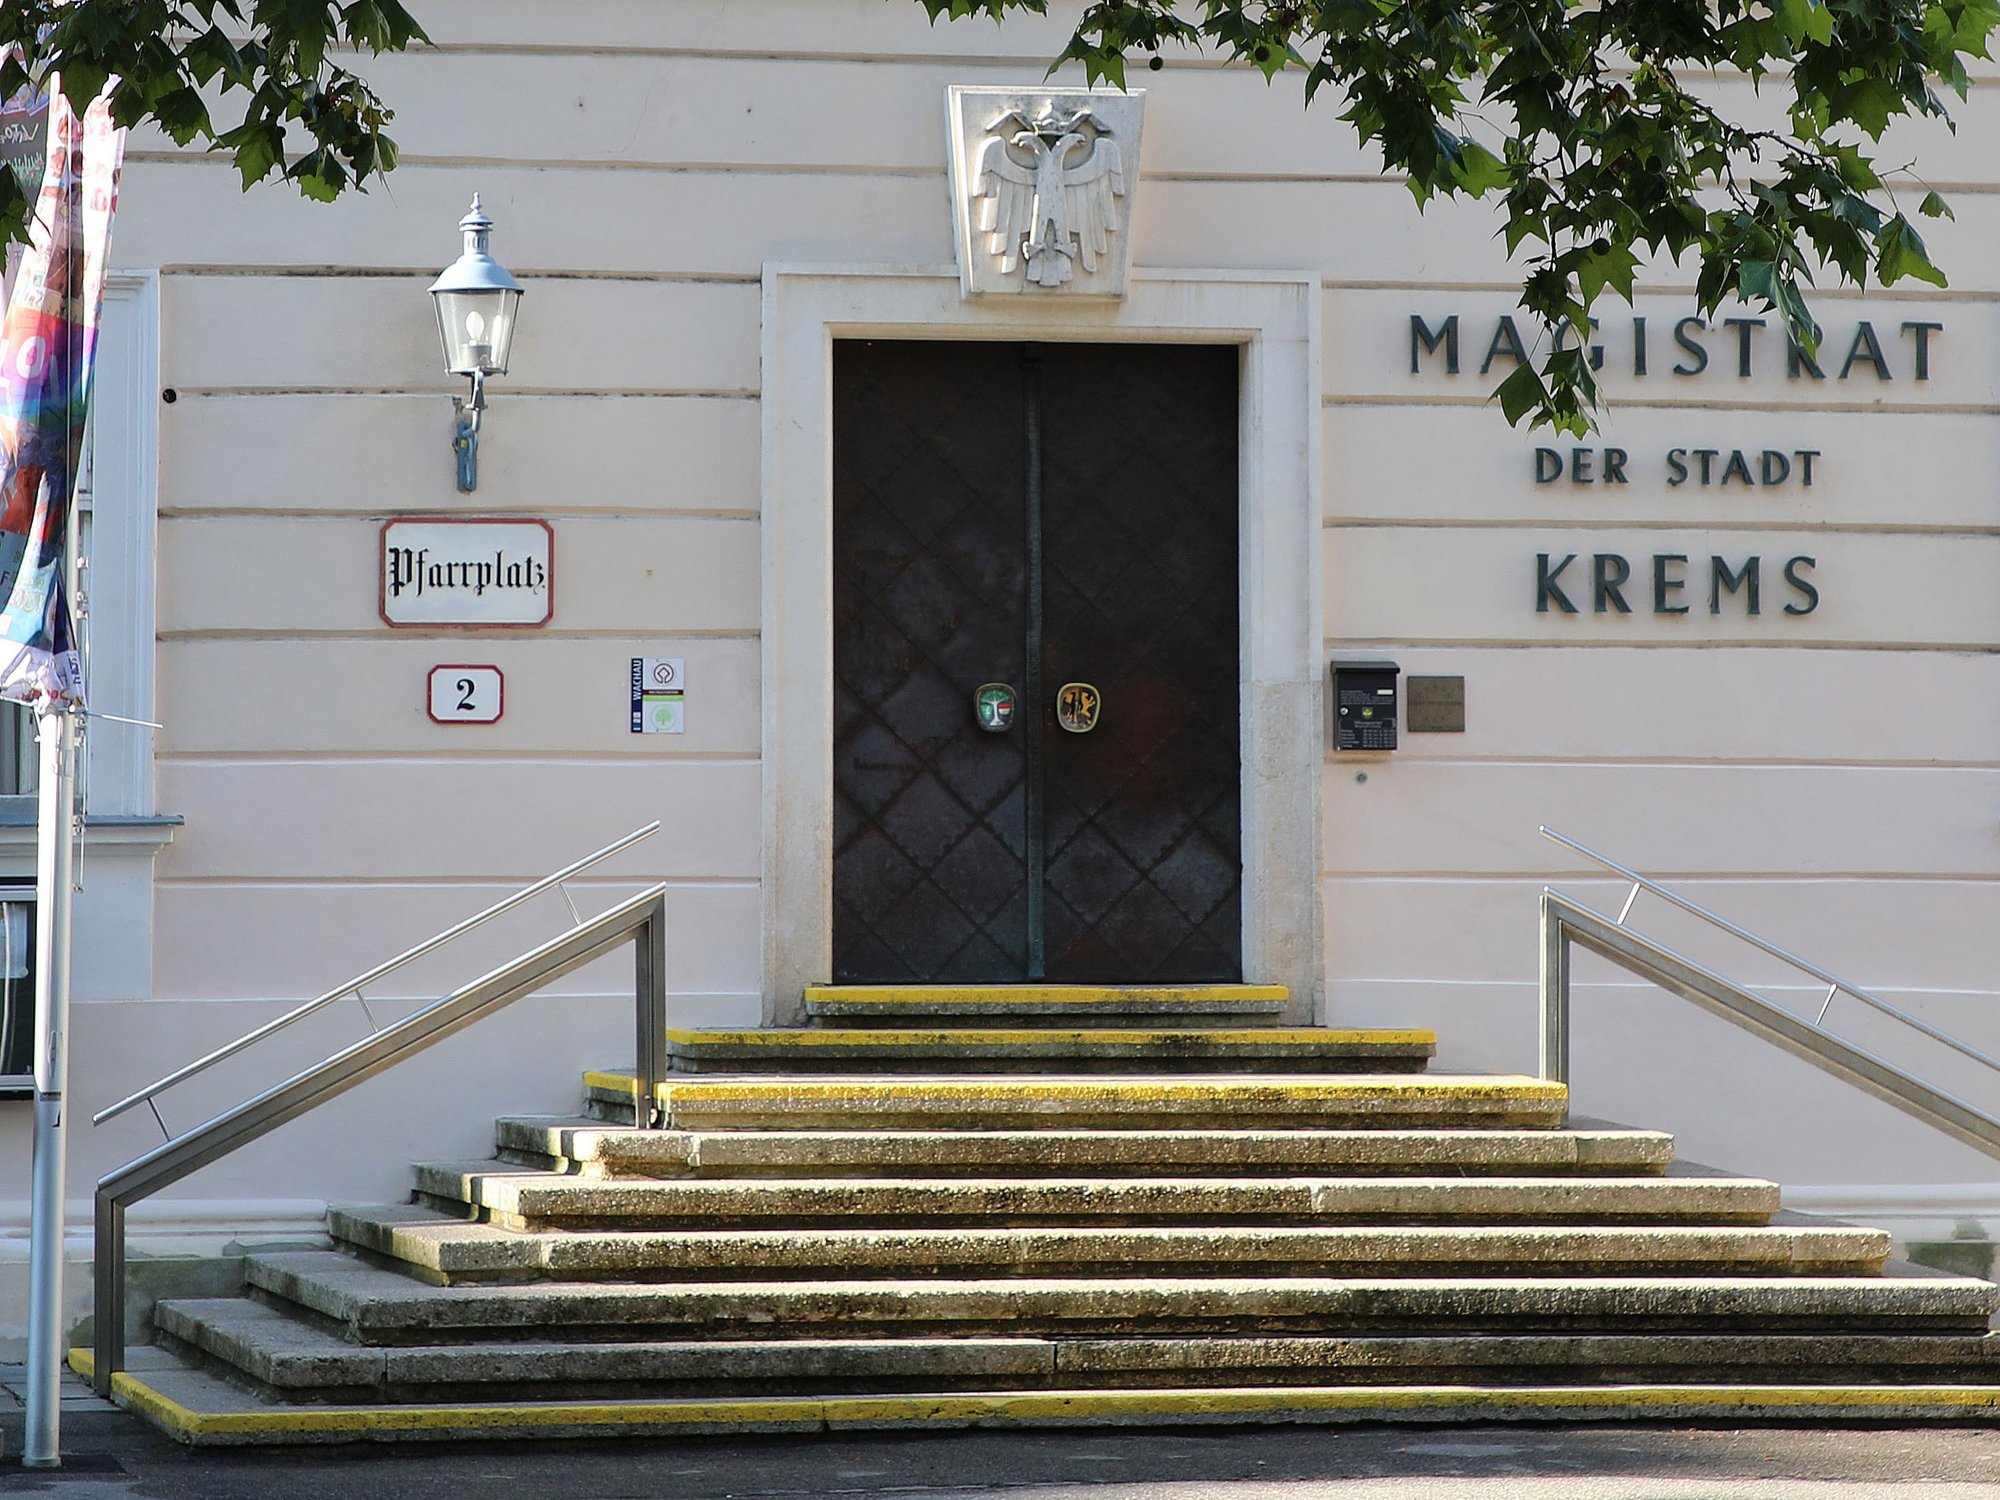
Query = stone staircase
x=1041 y=1205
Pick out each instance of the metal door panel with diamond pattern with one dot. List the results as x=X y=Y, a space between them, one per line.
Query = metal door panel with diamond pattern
x=1140 y=599
x=1022 y=514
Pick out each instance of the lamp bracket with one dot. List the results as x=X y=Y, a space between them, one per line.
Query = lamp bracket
x=465 y=434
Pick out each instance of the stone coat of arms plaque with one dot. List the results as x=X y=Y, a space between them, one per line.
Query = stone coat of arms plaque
x=1042 y=188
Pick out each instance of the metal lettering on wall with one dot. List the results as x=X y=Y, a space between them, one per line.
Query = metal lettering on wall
x=1884 y=351
x=1690 y=347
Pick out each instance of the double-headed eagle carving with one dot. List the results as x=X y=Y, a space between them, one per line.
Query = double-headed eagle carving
x=1046 y=188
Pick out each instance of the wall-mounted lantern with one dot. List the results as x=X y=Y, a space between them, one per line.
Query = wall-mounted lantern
x=476 y=303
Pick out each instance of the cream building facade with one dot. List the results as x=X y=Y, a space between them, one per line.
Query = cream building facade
x=1744 y=639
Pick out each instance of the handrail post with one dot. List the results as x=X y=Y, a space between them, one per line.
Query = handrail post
x=650 y=1000
x=1835 y=984
x=642 y=919
x=1568 y=924
x=108 y=1294
x=1555 y=996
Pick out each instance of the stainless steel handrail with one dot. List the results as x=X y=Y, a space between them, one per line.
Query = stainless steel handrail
x=1835 y=984
x=355 y=985
x=1565 y=921
x=641 y=919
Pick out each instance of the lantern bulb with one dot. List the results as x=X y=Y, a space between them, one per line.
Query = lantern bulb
x=475 y=327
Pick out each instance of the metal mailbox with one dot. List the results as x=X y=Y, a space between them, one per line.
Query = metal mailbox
x=1364 y=705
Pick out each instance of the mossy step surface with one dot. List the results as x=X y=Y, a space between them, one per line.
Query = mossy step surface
x=1193 y=1004
x=945 y=1102
x=296 y=1359
x=513 y=1196
x=987 y=1049
x=201 y=1410
x=456 y=1248
x=623 y=1151
x=292 y=1355
x=372 y=1305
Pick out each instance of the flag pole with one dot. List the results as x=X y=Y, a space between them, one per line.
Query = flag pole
x=54 y=841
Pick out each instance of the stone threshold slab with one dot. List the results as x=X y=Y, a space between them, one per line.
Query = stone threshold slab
x=982 y=1048
x=895 y=1002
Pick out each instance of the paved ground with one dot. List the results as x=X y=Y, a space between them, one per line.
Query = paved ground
x=111 y=1455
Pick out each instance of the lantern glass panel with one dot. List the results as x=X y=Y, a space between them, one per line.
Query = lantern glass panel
x=477 y=329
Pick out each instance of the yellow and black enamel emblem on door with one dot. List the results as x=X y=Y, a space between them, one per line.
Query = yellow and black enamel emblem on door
x=1077 y=707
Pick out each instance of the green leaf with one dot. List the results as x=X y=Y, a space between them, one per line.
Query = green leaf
x=1795 y=315
x=182 y=114
x=1520 y=394
x=1805 y=20
x=319 y=176
x=259 y=145
x=1851 y=208
x=1479 y=170
x=1612 y=266
x=14 y=208
x=1934 y=207
x=1899 y=252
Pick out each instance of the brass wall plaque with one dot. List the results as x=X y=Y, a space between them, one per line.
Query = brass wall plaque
x=1077 y=705
x=1434 y=705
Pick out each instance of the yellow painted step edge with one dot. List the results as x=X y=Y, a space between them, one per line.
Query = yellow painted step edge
x=1939 y=1402
x=1226 y=1086
x=777 y=1039
x=1042 y=994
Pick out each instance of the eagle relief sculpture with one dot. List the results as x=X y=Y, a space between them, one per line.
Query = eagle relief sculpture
x=1043 y=184
x=1046 y=189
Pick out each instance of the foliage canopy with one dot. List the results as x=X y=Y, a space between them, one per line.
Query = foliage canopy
x=1589 y=122
x=281 y=60
x=1591 y=125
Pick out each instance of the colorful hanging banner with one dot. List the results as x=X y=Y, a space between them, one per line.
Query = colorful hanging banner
x=48 y=346
x=24 y=152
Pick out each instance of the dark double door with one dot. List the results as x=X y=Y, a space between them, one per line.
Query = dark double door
x=1035 y=516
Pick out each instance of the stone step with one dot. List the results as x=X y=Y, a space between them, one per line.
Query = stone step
x=593 y=1147
x=201 y=1409
x=1043 y=1004
x=523 y=1198
x=1059 y=1100
x=370 y=1305
x=969 y=1049
x=297 y=1360
x=441 y=1246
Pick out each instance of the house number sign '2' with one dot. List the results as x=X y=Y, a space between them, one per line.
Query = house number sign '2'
x=462 y=693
